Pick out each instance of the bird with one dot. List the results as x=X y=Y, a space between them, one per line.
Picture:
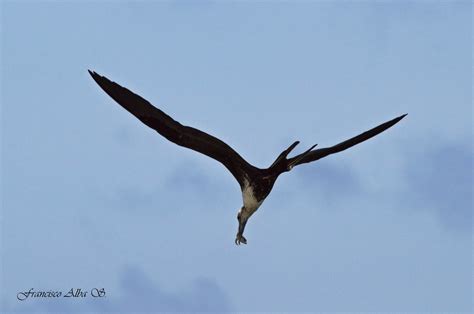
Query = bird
x=255 y=183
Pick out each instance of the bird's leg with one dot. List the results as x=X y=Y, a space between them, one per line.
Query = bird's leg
x=300 y=157
x=240 y=233
x=284 y=154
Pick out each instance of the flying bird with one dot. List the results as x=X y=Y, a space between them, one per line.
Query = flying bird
x=255 y=183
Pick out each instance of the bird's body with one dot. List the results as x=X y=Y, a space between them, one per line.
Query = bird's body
x=252 y=199
x=255 y=191
x=255 y=183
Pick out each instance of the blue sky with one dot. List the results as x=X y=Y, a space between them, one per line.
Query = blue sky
x=93 y=198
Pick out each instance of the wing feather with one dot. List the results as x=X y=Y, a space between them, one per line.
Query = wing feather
x=173 y=130
x=323 y=152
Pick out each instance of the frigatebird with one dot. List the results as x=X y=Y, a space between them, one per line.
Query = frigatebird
x=255 y=183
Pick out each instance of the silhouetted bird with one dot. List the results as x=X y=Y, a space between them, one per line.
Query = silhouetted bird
x=255 y=183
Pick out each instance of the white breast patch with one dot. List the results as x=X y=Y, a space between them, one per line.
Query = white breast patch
x=250 y=202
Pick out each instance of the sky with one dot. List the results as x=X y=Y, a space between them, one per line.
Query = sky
x=92 y=198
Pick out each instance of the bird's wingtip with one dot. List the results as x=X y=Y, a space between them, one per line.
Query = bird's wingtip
x=401 y=117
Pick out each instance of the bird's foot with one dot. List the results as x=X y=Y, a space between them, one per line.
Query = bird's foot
x=240 y=239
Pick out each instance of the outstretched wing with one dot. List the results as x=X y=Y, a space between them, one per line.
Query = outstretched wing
x=174 y=131
x=323 y=152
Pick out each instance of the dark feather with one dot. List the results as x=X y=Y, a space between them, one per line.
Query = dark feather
x=323 y=152
x=174 y=131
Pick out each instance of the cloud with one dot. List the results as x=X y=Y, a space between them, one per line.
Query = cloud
x=192 y=177
x=331 y=180
x=142 y=294
x=138 y=293
x=188 y=181
x=440 y=178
